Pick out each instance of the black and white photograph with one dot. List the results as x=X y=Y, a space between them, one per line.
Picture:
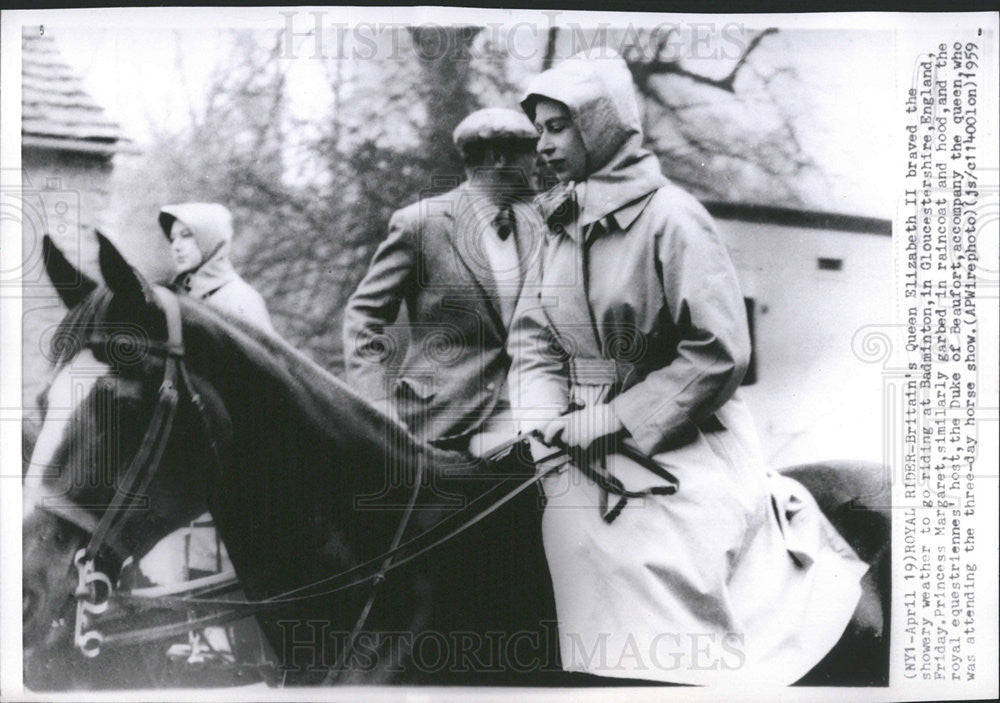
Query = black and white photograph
x=453 y=353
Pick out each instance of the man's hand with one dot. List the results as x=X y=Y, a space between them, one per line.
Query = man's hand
x=581 y=428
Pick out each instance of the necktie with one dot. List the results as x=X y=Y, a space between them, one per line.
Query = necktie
x=504 y=222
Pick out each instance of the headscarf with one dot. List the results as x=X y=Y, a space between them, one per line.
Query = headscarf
x=212 y=227
x=601 y=100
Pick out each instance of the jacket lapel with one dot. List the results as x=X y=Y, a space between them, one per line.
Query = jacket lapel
x=469 y=222
x=530 y=246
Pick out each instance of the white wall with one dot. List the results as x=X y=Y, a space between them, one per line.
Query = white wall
x=64 y=196
x=814 y=398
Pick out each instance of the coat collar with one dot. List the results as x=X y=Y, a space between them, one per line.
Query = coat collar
x=621 y=183
x=620 y=196
x=627 y=214
x=209 y=277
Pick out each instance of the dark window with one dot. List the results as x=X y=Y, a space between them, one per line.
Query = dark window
x=824 y=264
x=751 y=376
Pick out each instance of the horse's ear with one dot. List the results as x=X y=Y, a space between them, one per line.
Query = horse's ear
x=70 y=283
x=119 y=275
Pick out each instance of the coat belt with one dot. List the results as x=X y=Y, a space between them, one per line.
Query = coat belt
x=593 y=371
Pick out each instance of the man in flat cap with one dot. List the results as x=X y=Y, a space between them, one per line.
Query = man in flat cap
x=457 y=262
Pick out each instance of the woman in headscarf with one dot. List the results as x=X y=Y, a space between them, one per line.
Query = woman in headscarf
x=630 y=349
x=200 y=235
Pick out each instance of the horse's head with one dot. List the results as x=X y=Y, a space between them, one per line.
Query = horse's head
x=303 y=476
x=109 y=358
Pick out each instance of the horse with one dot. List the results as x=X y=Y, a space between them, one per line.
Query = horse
x=332 y=512
x=306 y=480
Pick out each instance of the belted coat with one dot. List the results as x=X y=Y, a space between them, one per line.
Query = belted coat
x=636 y=308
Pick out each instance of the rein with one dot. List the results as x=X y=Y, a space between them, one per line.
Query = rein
x=398 y=555
x=95 y=591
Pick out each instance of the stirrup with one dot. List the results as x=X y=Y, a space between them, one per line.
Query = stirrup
x=197 y=651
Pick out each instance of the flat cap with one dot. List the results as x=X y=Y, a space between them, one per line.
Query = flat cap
x=493 y=123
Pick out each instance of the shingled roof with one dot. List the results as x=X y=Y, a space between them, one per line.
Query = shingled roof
x=56 y=112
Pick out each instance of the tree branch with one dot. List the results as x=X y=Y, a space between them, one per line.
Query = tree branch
x=642 y=71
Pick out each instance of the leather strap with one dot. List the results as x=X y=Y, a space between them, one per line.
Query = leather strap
x=155 y=440
x=55 y=504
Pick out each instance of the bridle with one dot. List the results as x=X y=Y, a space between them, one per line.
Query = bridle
x=94 y=588
x=146 y=461
x=95 y=591
x=104 y=532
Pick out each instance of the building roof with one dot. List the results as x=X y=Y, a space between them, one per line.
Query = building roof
x=56 y=112
x=797 y=217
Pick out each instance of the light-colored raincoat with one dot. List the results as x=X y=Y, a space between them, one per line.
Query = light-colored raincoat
x=736 y=577
x=215 y=281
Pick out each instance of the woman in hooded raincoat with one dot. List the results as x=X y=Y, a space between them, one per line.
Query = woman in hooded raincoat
x=200 y=235
x=631 y=345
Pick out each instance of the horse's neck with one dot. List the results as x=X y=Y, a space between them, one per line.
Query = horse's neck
x=289 y=466
x=290 y=418
x=305 y=447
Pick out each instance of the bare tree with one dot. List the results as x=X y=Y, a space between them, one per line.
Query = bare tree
x=444 y=58
x=663 y=63
x=730 y=137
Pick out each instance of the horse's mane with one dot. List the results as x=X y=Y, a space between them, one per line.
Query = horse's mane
x=267 y=350
x=279 y=351
x=318 y=393
x=309 y=384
